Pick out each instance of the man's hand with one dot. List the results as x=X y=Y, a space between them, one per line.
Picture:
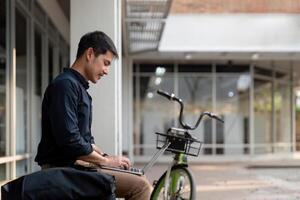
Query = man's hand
x=97 y=149
x=112 y=161
x=85 y=164
x=118 y=161
x=97 y=158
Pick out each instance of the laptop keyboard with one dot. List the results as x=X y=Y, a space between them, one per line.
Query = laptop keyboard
x=135 y=169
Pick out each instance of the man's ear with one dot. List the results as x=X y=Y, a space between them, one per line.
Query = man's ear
x=89 y=53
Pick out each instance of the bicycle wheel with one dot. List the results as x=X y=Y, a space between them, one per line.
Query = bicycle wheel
x=181 y=185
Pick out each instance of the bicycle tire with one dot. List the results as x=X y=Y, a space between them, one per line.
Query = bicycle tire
x=183 y=172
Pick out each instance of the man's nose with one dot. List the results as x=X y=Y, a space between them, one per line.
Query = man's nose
x=106 y=71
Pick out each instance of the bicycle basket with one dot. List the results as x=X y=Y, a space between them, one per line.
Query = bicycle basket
x=179 y=143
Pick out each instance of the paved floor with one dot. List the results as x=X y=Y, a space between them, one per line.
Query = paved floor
x=243 y=181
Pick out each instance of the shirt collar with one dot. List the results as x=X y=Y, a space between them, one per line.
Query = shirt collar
x=79 y=77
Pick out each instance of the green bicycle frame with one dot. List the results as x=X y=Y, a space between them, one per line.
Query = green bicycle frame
x=179 y=159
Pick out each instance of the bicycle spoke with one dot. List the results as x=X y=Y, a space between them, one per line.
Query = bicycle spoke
x=186 y=189
x=180 y=188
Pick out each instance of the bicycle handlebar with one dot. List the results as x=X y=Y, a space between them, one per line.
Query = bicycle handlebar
x=168 y=96
x=164 y=94
x=172 y=97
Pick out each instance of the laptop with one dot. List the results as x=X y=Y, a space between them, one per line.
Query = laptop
x=138 y=171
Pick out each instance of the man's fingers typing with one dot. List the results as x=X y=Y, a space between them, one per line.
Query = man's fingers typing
x=119 y=161
x=127 y=161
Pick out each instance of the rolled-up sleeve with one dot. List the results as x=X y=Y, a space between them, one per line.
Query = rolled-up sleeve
x=92 y=140
x=63 y=117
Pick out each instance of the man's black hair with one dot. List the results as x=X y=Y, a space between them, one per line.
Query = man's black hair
x=97 y=40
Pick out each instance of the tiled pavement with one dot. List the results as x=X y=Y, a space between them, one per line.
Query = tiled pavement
x=279 y=180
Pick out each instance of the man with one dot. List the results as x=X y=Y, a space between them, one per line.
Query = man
x=67 y=116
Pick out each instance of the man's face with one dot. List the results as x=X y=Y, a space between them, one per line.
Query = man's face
x=98 y=66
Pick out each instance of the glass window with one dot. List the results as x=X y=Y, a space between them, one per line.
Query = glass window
x=2 y=77
x=60 y=60
x=50 y=62
x=153 y=113
x=208 y=136
x=263 y=71
x=157 y=68
x=135 y=67
x=51 y=29
x=25 y=118
x=195 y=68
x=283 y=69
x=25 y=2
x=37 y=97
x=232 y=104
x=21 y=81
x=2 y=172
x=232 y=68
x=282 y=106
x=196 y=92
x=38 y=62
x=263 y=68
x=262 y=116
x=62 y=54
x=39 y=14
x=21 y=167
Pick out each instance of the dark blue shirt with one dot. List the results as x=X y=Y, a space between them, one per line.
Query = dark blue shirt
x=66 y=120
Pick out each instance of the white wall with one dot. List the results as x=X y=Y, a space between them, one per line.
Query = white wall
x=104 y=15
x=231 y=32
x=127 y=107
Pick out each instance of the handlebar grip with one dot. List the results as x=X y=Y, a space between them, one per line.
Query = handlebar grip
x=219 y=119
x=214 y=116
x=164 y=94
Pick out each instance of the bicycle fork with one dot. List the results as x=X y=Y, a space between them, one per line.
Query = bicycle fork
x=179 y=159
x=167 y=180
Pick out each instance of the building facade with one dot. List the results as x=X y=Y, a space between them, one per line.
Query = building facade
x=253 y=98
x=237 y=59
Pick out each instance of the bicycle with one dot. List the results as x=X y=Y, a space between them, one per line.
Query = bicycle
x=181 y=143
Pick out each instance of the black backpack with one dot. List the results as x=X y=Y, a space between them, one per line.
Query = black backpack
x=63 y=183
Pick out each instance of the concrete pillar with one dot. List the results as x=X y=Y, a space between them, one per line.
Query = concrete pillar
x=104 y=15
